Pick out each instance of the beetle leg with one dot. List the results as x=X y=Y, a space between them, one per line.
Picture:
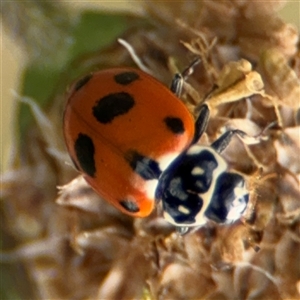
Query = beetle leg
x=177 y=84
x=179 y=78
x=201 y=122
x=224 y=140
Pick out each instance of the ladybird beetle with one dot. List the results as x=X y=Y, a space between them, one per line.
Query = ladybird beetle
x=134 y=141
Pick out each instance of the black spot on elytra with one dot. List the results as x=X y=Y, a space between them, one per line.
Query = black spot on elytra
x=146 y=167
x=130 y=206
x=174 y=124
x=81 y=82
x=205 y=160
x=85 y=152
x=126 y=78
x=111 y=106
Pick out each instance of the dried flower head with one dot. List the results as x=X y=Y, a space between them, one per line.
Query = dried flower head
x=76 y=246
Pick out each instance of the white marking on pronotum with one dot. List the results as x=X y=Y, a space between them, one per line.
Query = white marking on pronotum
x=238 y=205
x=240 y=191
x=150 y=188
x=236 y=210
x=165 y=160
x=197 y=171
x=183 y=209
x=195 y=150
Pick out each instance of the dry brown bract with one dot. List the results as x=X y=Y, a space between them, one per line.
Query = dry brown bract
x=79 y=247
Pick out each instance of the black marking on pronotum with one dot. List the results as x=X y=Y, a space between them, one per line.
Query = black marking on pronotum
x=126 y=78
x=146 y=167
x=85 y=152
x=224 y=195
x=81 y=82
x=197 y=183
x=176 y=199
x=130 y=206
x=111 y=106
x=174 y=124
x=181 y=189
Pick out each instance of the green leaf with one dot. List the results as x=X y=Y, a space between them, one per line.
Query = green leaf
x=96 y=30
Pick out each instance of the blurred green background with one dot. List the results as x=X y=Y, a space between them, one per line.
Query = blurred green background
x=14 y=58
